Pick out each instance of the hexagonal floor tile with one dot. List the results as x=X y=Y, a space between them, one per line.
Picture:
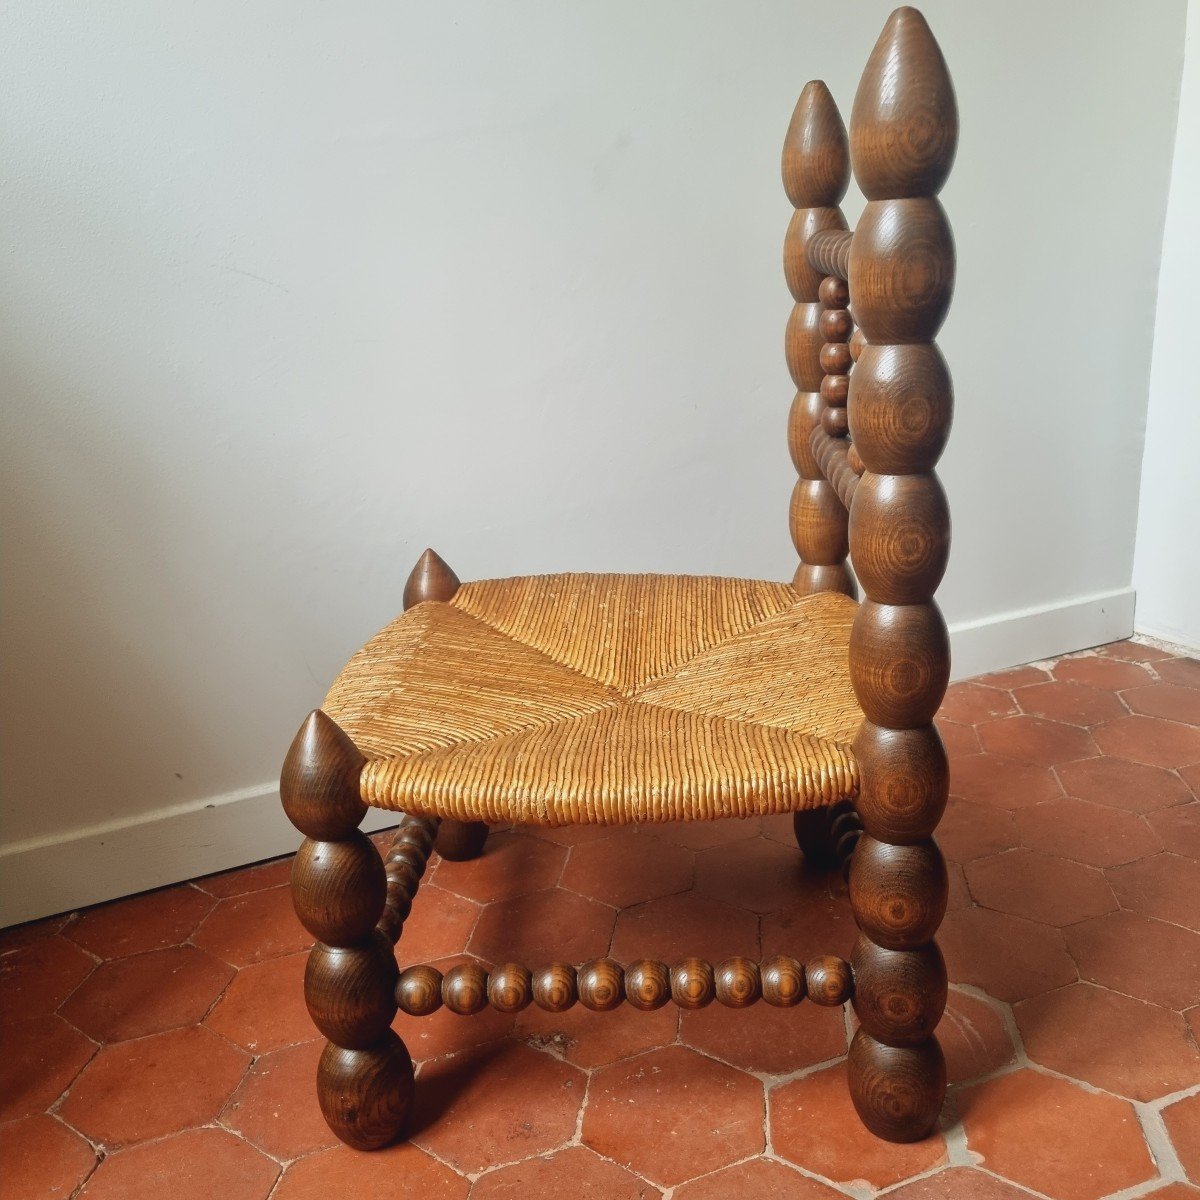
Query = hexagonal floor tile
x=445 y=1032
x=758 y=874
x=162 y=1084
x=1034 y=740
x=702 y=835
x=1139 y=956
x=1039 y=887
x=673 y=1114
x=1015 y=677
x=201 y=1164
x=1113 y=674
x=1179 y=828
x=590 y=1039
x=263 y=1008
x=497 y=1105
x=971 y=703
x=151 y=921
x=820 y=923
x=41 y=1057
x=1173 y=1191
x=974 y=1038
x=959 y=1183
x=1182 y=1120
x=1150 y=740
x=1008 y=957
x=1112 y=1041
x=1171 y=701
x=676 y=927
x=248 y=929
x=968 y=831
x=773 y=1041
x=240 y=880
x=1072 y=703
x=439 y=925
x=1088 y=833
x=959 y=740
x=628 y=869
x=1121 y=784
x=376 y=1176
x=1003 y=782
x=814 y=1125
x=1166 y=886
x=37 y=977
x=1132 y=651
x=40 y=1156
x=576 y=1171
x=147 y=993
x=510 y=865
x=1184 y=671
x=1050 y=1135
x=757 y=1178
x=540 y=928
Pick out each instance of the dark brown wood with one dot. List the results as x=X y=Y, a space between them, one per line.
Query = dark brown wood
x=350 y=991
x=554 y=987
x=899 y=995
x=601 y=985
x=692 y=983
x=319 y=782
x=897 y=1090
x=419 y=990
x=460 y=841
x=365 y=1095
x=430 y=579
x=404 y=865
x=647 y=984
x=737 y=982
x=828 y=252
x=338 y=888
x=782 y=981
x=465 y=989
x=510 y=988
x=828 y=980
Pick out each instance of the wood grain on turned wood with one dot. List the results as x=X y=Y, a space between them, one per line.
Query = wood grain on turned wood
x=319 y=782
x=736 y=982
x=338 y=888
x=464 y=989
x=554 y=987
x=899 y=995
x=783 y=983
x=828 y=252
x=647 y=984
x=601 y=985
x=899 y=662
x=430 y=579
x=510 y=988
x=419 y=990
x=350 y=991
x=365 y=1095
x=816 y=159
x=900 y=531
x=905 y=781
x=802 y=278
x=828 y=980
x=460 y=841
x=833 y=456
x=692 y=983
x=818 y=532
x=898 y=892
x=897 y=1090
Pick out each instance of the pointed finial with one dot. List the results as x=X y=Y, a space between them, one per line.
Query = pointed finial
x=431 y=579
x=816 y=160
x=319 y=783
x=904 y=124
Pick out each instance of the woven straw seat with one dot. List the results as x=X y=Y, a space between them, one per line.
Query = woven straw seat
x=560 y=699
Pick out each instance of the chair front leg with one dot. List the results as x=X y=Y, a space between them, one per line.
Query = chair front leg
x=339 y=888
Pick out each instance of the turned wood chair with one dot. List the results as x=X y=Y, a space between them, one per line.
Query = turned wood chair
x=640 y=698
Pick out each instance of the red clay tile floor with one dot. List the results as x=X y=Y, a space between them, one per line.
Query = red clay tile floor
x=159 y=1046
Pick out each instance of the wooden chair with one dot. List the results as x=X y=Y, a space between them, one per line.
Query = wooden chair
x=606 y=698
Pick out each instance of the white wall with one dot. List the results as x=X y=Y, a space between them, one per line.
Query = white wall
x=1166 y=566
x=291 y=290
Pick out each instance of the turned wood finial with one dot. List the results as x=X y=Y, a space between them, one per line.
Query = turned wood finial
x=816 y=154
x=319 y=782
x=431 y=579
x=904 y=123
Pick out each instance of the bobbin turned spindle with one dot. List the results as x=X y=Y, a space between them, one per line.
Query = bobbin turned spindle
x=903 y=132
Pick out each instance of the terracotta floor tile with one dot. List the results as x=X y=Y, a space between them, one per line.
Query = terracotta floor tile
x=1003 y=782
x=41 y=1157
x=570 y=835
x=38 y=1060
x=540 y=928
x=247 y=879
x=1191 y=776
x=1121 y=784
x=959 y=740
x=163 y=1084
x=263 y=1008
x=1179 y=828
x=1150 y=740
x=380 y=1175
x=1039 y=887
x=821 y=922
x=1051 y=1135
x=1071 y=703
x=1166 y=886
x=201 y=1164
x=17 y=936
x=497 y=1105
x=439 y=925
x=275 y=1107
x=814 y=1125
x=959 y=1183
x=760 y=875
x=1016 y=677
x=1173 y=1191
x=590 y=1039
x=1034 y=740
x=968 y=831
x=1172 y=701
x=1111 y=1041
x=151 y=921
x=510 y=865
x=444 y=1032
x=629 y=868
x=755 y=1179
x=1008 y=957
x=1184 y=671
x=250 y=928
x=971 y=703
x=1132 y=651
x=1087 y=833
x=1110 y=673
x=959 y=894
x=1192 y=1017
x=576 y=1171
x=147 y=993
x=703 y=835
x=37 y=977
x=1140 y=957
x=974 y=1038
x=676 y=927
x=765 y=1039
x=673 y=1114
x=1182 y=1120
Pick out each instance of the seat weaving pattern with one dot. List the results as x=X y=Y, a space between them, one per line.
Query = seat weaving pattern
x=561 y=699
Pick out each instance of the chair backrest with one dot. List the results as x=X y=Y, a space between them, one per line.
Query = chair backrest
x=873 y=405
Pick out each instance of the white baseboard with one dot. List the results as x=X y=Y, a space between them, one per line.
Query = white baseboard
x=86 y=866
x=71 y=870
